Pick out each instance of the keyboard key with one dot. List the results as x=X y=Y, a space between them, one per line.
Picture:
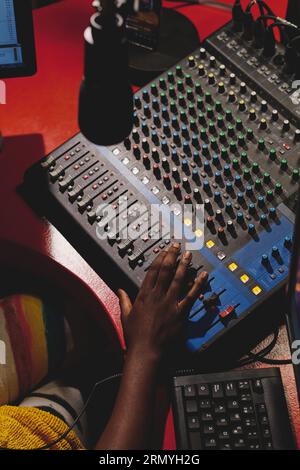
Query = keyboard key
x=217 y=391
x=266 y=432
x=224 y=435
x=203 y=390
x=205 y=404
x=209 y=429
x=239 y=443
x=193 y=422
x=244 y=385
x=235 y=418
x=221 y=422
x=207 y=416
x=191 y=406
x=250 y=423
x=261 y=408
x=264 y=420
x=246 y=397
x=237 y=431
x=225 y=446
x=195 y=440
x=248 y=410
x=251 y=435
x=254 y=446
x=257 y=386
x=268 y=445
x=210 y=443
x=189 y=391
x=233 y=405
x=220 y=409
x=230 y=389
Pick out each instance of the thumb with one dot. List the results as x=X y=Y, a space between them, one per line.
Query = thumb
x=125 y=304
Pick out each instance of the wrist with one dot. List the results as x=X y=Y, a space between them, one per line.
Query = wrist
x=149 y=356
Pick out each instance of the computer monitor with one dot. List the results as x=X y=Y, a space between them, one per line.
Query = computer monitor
x=17 y=49
x=293 y=315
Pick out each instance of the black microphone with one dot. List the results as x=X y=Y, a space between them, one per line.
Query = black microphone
x=106 y=100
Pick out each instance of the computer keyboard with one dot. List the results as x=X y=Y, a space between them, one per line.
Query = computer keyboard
x=237 y=410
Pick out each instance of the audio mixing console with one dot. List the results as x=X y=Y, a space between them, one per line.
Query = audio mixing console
x=203 y=133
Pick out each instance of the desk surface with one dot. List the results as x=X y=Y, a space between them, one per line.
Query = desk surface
x=41 y=113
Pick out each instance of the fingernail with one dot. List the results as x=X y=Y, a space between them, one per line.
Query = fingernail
x=187 y=256
x=204 y=275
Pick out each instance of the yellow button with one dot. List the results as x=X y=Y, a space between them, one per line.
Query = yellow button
x=210 y=244
x=198 y=233
x=244 y=278
x=233 y=266
x=187 y=222
x=256 y=290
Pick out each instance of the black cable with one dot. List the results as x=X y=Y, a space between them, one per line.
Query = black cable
x=296 y=38
x=64 y=435
x=213 y=3
x=282 y=27
x=260 y=356
x=262 y=6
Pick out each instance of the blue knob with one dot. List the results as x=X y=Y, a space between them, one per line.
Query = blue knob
x=261 y=201
x=228 y=206
x=184 y=164
x=252 y=208
x=249 y=190
x=265 y=259
x=251 y=228
x=215 y=159
x=206 y=185
x=195 y=174
x=272 y=211
x=195 y=140
x=186 y=146
x=227 y=171
x=155 y=104
x=217 y=195
x=196 y=156
x=166 y=128
x=240 y=197
x=165 y=113
x=263 y=219
x=287 y=242
x=275 y=251
x=240 y=217
x=205 y=149
x=174 y=121
x=154 y=136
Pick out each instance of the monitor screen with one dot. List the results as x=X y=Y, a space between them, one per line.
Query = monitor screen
x=17 y=51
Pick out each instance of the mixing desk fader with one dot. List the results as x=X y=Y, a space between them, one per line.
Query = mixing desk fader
x=204 y=135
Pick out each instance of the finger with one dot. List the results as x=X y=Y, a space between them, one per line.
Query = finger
x=152 y=273
x=125 y=304
x=191 y=297
x=167 y=268
x=179 y=278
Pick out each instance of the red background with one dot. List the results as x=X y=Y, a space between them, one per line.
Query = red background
x=41 y=113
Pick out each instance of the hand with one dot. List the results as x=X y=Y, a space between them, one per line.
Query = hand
x=158 y=313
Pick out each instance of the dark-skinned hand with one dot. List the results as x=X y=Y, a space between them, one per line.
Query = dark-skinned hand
x=157 y=316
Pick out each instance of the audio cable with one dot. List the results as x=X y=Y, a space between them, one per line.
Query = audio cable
x=262 y=5
x=70 y=428
x=214 y=3
x=260 y=356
